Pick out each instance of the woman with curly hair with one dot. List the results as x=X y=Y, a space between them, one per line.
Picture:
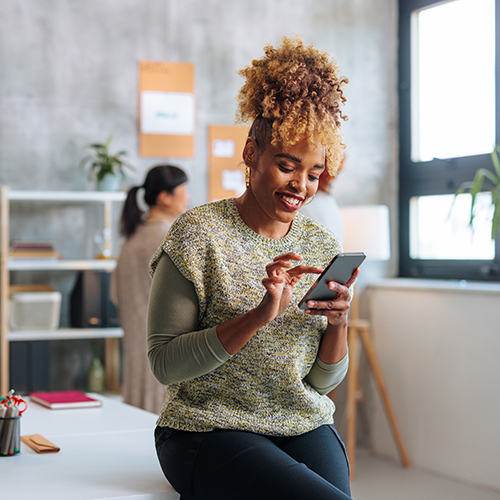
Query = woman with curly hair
x=247 y=372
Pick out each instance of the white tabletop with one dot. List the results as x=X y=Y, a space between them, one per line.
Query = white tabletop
x=106 y=452
x=112 y=416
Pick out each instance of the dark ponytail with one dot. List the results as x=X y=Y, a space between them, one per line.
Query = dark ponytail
x=158 y=179
x=131 y=214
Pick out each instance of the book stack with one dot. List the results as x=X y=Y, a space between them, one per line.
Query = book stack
x=33 y=250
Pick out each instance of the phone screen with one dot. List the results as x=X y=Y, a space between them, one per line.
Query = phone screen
x=340 y=270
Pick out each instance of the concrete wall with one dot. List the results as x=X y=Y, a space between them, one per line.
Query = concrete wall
x=69 y=77
x=438 y=344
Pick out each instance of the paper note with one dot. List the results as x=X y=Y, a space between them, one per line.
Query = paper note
x=167 y=112
x=233 y=180
x=223 y=148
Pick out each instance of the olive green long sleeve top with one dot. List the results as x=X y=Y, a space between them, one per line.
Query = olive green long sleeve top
x=178 y=351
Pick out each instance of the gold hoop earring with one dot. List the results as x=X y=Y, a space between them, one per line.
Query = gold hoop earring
x=309 y=201
x=247 y=176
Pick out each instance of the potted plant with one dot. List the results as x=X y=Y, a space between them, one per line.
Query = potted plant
x=107 y=169
x=485 y=180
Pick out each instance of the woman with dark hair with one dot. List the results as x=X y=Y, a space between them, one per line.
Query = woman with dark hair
x=247 y=372
x=165 y=194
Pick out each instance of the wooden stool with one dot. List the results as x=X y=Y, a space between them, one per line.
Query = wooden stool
x=359 y=336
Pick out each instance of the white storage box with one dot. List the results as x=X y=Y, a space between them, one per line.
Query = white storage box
x=35 y=310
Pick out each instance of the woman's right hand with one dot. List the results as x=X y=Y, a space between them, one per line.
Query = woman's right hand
x=282 y=276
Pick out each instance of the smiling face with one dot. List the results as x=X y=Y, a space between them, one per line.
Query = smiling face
x=281 y=181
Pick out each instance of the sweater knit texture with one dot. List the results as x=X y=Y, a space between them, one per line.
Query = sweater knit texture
x=262 y=388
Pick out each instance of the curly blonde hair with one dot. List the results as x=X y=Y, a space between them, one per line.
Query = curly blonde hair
x=294 y=91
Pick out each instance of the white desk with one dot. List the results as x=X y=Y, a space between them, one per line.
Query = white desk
x=106 y=452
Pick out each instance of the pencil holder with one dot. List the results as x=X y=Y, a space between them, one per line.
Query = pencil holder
x=10 y=436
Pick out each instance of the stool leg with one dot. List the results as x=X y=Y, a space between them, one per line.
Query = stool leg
x=377 y=372
x=352 y=387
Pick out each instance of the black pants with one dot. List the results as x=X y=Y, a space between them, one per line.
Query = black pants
x=237 y=465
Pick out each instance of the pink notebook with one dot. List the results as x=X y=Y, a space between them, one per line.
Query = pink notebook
x=64 y=399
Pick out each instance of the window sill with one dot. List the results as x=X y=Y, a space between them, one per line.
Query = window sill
x=436 y=285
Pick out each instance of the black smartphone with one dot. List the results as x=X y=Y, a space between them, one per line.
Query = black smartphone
x=340 y=269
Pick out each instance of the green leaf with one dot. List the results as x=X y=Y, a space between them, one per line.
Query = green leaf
x=108 y=141
x=495 y=226
x=487 y=174
x=485 y=181
x=496 y=160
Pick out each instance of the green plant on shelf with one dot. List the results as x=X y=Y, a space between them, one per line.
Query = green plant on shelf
x=102 y=163
x=485 y=180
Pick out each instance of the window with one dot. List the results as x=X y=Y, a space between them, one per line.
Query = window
x=440 y=228
x=448 y=128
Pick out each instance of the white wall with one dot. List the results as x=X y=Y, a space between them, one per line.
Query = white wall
x=439 y=346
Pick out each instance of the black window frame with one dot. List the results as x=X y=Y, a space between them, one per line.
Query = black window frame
x=436 y=176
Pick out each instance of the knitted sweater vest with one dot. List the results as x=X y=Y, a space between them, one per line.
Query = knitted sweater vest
x=262 y=388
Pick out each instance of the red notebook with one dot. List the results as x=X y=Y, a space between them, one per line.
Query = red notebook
x=64 y=399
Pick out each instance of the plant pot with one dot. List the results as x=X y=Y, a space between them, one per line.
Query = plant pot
x=110 y=182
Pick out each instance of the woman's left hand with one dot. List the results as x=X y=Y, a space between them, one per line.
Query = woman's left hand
x=335 y=310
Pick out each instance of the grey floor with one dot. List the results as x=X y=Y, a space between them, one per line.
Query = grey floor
x=380 y=479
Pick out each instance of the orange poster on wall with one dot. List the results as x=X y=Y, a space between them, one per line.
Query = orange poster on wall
x=167 y=109
x=226 y=172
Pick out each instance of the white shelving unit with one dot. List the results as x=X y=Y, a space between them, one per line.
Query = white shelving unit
x=112 y=335
x=62 y=265
x=65 y=334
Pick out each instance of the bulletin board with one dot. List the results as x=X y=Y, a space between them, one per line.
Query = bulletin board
x=167 y=109
x=226 y=172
